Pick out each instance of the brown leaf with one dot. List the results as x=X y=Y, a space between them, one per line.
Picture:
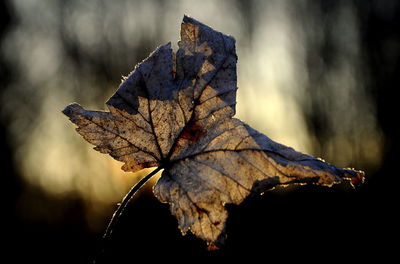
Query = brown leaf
x=175 y=111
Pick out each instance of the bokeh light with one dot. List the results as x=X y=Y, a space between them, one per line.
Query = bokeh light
x=301 y=81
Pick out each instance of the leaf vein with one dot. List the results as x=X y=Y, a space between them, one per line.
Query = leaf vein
x=127 y=140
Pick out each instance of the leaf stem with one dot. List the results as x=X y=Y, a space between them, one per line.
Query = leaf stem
x=126 y=200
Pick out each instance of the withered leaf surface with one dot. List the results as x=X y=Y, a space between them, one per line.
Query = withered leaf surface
x=175 y=111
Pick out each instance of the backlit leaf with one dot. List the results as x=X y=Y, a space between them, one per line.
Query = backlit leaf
x=175 y=112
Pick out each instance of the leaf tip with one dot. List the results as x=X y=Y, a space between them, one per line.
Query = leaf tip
x=212 y=247
x=190 y=20
x=186 y=18
x=356 y=178
x=71 y=109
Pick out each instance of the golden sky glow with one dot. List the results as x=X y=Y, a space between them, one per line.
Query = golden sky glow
x=272 y=76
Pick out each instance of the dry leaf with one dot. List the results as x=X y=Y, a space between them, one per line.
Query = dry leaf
x=175 y=111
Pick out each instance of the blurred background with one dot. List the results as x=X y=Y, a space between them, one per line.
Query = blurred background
x=315 y=75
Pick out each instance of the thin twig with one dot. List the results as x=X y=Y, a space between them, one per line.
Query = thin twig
x=125 y=201
x=119 y=211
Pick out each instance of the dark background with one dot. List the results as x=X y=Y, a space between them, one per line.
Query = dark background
x=306 y=224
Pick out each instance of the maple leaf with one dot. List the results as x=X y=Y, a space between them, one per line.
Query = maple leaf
x=175 y=112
